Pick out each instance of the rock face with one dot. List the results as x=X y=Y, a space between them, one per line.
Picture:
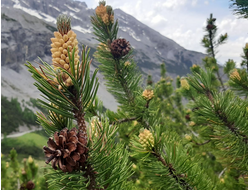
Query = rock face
x=28 y=25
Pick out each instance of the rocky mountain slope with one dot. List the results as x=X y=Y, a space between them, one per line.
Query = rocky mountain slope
x=28 y=25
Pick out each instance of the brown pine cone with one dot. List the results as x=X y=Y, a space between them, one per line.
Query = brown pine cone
x=119 y=48
x=30 y=185
x=67 y=151
x=187 y=117
x=210 y=26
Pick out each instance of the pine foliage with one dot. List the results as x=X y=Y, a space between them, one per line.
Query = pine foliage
x=167 y=144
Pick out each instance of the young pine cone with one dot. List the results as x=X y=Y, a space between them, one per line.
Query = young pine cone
x=67 y=151
x=100 y=10
x=235 y=75
x=119 y=48
x=64 y=39
x=146 y=138
x=184 y=84
x=105 y=18
x=148 y=94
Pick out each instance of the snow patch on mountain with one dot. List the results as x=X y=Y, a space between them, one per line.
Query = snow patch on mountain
x=125 y=22
x=130 y=32
x=48 y=18
x=73 y=9
x=157 y=50
x=32 y=12
x=74 y=16
x=80 y=29
x=29 y=11
x=54 y=7
x=26 y=3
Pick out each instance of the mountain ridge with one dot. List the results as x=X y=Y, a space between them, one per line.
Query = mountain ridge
x=28 y=25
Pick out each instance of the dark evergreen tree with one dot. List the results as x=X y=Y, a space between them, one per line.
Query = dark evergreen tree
x=240 y=8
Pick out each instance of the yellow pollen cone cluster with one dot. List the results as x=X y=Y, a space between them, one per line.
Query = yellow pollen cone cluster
x=135 y=123
x=127 y=63
x=222 y=180
x=188 y=137
x=184 y=84
x=191 y=123
x=235 y=75
x=148 y=94
x=146 y=139
x=101 y=12
x=60 y=58
x=30 y=159
x=194 y=66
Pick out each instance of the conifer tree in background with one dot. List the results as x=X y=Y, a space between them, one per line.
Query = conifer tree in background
x=167 y=145
x=240 y=8
x=211 y=44
x=221 y=118
x=168 y=103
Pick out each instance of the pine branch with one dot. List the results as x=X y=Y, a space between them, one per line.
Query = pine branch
x=126 y=120
x=222 y=116
x=124 y=84
x=172 y=172
x=213 y=55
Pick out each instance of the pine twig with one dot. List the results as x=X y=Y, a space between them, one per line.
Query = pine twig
x=126 y=120
x=172 y=170
x=200 y=144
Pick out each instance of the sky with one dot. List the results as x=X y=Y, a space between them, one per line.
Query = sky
x=184 y=20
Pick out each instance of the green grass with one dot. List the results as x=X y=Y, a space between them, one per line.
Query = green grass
x=35 y=139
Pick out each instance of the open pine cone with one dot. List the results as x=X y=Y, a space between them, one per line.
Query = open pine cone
x=119 y=48
x=67 y=151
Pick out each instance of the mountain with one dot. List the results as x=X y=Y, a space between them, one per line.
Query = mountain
x=28 y=25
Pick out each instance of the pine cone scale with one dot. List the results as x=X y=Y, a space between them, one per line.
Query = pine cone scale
x=56 y=138
x=71 y=146
x=80 y=148
x=69 y=168
x=82 y=159
x=61 y=166
x=62 y=140
x=51 y=144
x=66 y=153
x=54 y=163
x=76 y=156
x=70 y=161
x=73 y=139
